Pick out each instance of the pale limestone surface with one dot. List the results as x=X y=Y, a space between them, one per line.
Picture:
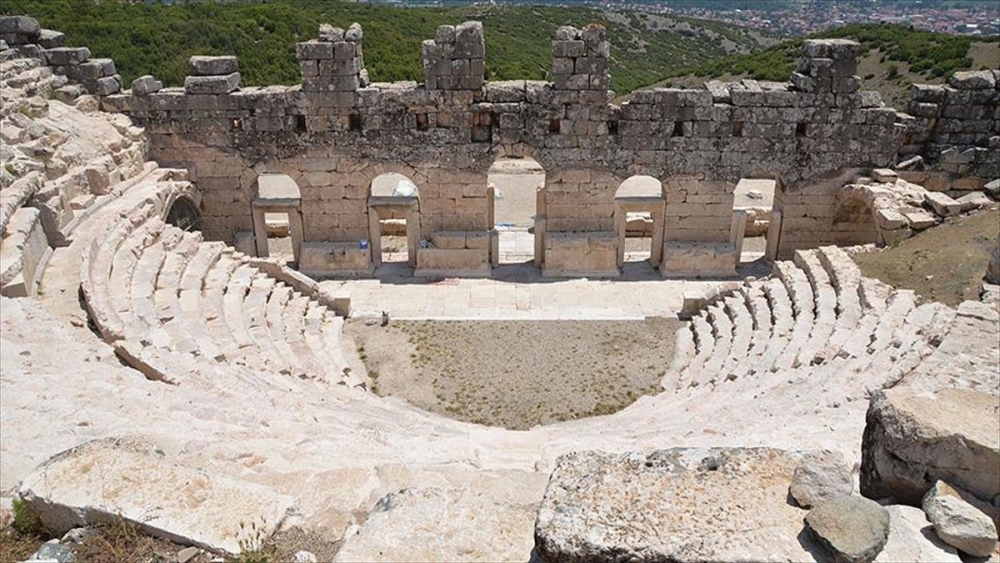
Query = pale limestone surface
x=911 y=538
x=652 y=507
x=102 y=480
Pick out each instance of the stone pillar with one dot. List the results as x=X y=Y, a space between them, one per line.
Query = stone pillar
x=412 y=234
x=456 y=58
x=659 y=228
x=580 y=58
x=296 y=232
x=212 y=75
x=828 y=66
x=737 y=231
x=375 y=236
x=260 y=232
x=334 y=62
x=540 y=227
x=773 y=236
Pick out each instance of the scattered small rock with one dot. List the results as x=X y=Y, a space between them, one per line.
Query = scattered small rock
x=53 y=551
x=825 y=476
x=77 y=535
x=304 y=557
x=186 y=554
x=852 y=528
x=959 y=523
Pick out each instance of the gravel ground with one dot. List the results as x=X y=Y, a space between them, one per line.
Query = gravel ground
x=945 y=263
x=516 y=374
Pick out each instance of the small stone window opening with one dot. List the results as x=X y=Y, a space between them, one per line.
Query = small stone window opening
x=554 y=124
x=422 y=122
x=612 y=127
x=300 y=123
x=737 y=129
x=678 y=129
x=236 y=123
x=354 y=122
x=800 y=129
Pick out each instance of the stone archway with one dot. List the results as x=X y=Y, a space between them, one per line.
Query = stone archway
x=184 y=215
x=392 y=194
x=277 y=193
x=640 y=194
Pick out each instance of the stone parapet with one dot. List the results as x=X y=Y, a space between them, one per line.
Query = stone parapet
x=334 y=62
x=456 y=58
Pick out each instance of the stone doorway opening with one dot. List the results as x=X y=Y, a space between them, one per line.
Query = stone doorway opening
x=753 y=199
x=394 y=220
x=277 y=217
x=514 y=184
x=639 y=221
x=184 y=215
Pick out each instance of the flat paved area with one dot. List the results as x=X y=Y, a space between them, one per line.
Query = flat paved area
x=517 y=293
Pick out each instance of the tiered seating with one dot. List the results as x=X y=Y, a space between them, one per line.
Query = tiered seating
x=816 y=318
x=173 y=303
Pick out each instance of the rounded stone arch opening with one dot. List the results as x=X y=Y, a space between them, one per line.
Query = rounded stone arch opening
x=277 y=195
x=183 y=213
x=392 y=197
x=641 y=201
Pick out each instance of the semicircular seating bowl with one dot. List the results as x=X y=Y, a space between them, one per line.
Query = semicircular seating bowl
x=818 y=318
x=166 y=299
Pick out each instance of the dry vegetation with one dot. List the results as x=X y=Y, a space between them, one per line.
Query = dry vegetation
x=517 y=374
x=945 y=263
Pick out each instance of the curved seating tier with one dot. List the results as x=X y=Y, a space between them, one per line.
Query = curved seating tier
x=173 y=303
x=816 y=317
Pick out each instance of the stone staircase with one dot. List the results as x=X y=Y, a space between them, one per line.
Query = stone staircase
x=816 y=317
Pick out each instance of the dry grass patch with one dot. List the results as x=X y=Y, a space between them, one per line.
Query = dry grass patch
x=517 y=374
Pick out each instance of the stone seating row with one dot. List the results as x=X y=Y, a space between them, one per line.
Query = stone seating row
x=168 y=292
x=817 y=316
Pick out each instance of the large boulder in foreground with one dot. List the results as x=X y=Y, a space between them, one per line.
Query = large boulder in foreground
x=681 y=504
x=913 y=438
x=853 y=529
x=119 y=478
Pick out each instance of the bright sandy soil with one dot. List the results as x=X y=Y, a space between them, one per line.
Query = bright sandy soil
x=516 y=374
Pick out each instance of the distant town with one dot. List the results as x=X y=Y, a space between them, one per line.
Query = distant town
x=793 y=17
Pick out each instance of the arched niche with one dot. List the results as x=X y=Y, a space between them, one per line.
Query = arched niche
x=277 y=193
x=393 y=194
x=640 y=194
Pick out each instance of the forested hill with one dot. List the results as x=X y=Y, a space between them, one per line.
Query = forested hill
x=892 y=58
x=158 y=39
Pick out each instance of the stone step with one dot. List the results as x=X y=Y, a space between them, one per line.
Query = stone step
x=722 y=328
x=760 y=312
x=684 y=352
x=255 y=306
x=825 y=318
x=782 y=323
x=846 y=279
x=737 y=364
x=275 y=317
x=332 y=334
x=803 y=304
x=214 y=305
x=236 y=316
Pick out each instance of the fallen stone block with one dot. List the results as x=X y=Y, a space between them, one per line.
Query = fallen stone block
x=913 y=438
x=942 y=204
x=992 y=189
x=973 y=80
x=885 y=175
x=974 y=200
x=825 y=476
x=212 y=84
x=890 y=219
x=911 y=538
x=919 y=220
x=851 y=528
x=119 y=478
x=146 y=85
x=641 y=507
x=959 y=523
x=49 y=39
x=212 y=66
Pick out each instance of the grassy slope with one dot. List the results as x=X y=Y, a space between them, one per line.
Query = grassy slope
x=892 y=58
x=144 y=39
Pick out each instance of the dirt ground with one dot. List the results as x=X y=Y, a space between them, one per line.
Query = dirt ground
x=516 y=374
x=945 y=263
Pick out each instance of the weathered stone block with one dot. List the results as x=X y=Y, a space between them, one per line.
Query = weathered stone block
x=320 y=259
x=684 y=259
x=314 y=50
x=569 y=48
x=145 y=85
x=212 y=84
x=973 y=80
x=91 y=70
x=66 y=55
x=212 y=66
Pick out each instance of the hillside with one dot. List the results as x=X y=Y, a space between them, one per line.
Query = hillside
x=892 y=58
x=158 y=39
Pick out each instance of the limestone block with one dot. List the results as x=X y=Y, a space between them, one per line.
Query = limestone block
x=686 y=259
x=146 y=85
x=973 y=200
x=885 y=175
x=931 y=93
x=319 y=259
x=958 y=522
x=973 y=80
x=24 y=28
x=993 y=267
x=943 y=205
x=919 y=220
x=62 y=56
x=212 y=66
x=908 y=540
x=92 y=69
x=448 y=239
x=600 y=506
x=314 y=50
x=212 y=84
x=452 y=262
x=581 y=254
x=913 y=438
x=96 y=482
x=477 y=240
x=851 y=528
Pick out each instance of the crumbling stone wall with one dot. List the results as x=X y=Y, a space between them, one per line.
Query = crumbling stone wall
x=954 y=129
x=444 y=134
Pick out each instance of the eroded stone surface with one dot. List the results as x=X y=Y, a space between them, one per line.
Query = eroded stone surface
x=959 y=523
x=681 y=504
x=914 y=437
x=822 y=477
x=912 y=538
x=124 y=478
x=852 y=528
